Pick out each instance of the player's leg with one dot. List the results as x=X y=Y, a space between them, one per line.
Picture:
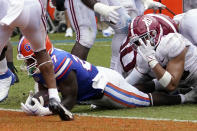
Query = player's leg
x=117 y=40
x=121 y=31
x=6 y=76
x=160 y=98
x=10 y=63
x=118 y=93
x=33 y=26
x=85 y=29
x=69 y=31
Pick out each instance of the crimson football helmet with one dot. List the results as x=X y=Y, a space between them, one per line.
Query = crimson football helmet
x=26 y=53
x=146 y=27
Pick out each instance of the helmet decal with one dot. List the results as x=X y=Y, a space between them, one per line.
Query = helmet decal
x=27 y=47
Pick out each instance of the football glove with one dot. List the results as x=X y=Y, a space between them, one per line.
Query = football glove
x=36 y=108
x=147 y=52
x=107 y=11
x=150 y=4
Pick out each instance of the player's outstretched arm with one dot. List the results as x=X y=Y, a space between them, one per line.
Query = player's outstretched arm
x=109 y=12
x=150 y=4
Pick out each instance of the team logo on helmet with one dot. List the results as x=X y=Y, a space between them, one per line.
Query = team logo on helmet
x=27 y=47
x=147 y=21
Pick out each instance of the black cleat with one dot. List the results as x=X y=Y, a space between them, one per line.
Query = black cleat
x=57 y=108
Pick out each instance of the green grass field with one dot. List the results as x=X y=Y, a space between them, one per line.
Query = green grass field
x=99 y=55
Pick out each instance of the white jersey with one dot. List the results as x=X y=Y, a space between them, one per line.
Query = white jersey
x=187 y=25
x=169 y=47
x=10 y=10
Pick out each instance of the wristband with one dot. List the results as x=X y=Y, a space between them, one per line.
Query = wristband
x=153 y=63
x=165 y=79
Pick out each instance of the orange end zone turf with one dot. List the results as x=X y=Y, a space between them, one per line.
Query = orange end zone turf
x=18 y=121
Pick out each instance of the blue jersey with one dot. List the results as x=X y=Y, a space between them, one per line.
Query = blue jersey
x=65 y=62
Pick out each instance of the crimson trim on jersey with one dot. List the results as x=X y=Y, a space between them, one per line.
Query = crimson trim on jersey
x=72 y=10
x=43 y=17
x=124 y=50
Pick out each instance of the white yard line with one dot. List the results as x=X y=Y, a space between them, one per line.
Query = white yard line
x=139 y=118
x=65 y=44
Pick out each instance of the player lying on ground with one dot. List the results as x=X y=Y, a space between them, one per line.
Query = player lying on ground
x=171 y=58
x=79 y=80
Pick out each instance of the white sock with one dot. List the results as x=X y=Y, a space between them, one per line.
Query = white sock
x=182 y=98
x=3 y=66
x=53 y=93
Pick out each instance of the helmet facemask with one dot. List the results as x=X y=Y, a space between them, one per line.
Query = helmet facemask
x=31 y=64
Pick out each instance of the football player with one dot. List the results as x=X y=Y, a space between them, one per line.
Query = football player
x=83 y=21
x=187 y=25
x=79 y=80
x=128 y=55
x=171 y=58
x=29 y=16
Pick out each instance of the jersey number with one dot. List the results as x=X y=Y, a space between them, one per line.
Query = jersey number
x=86 y=65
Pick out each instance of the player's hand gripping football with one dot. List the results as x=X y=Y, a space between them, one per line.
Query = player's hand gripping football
x=147 y=52
x=36 y=108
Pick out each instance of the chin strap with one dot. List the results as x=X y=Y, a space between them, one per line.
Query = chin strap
x=49 y=61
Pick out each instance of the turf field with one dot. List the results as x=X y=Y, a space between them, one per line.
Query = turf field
x=99 y=55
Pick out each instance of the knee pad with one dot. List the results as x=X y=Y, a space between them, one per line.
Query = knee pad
x=87 y=36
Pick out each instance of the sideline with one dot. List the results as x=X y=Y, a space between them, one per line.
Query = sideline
x=71 y=41
x=139 y=118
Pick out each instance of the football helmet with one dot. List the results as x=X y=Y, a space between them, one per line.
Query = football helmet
x=145 y=27
x=168 y=25
x=26 y=53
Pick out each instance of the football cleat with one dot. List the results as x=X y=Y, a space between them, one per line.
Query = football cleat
x=108 y=32
x=191 y=97
x=69 y=32
x=57 y=108
x=6 y=80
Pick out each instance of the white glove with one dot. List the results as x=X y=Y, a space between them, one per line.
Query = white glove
x=149 y=4
x=147 y=52
x=107 y=11
x=36 y=109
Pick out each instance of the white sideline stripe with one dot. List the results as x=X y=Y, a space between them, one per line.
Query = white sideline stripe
x=139 y=118
x=64 y=44
x=17 y=110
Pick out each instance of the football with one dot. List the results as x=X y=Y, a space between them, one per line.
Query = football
x=43 y=97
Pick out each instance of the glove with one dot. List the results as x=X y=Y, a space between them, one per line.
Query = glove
x=36 y=109
x=107 y=11
x=149 y=4
x=28 y=101
x=147 y=52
